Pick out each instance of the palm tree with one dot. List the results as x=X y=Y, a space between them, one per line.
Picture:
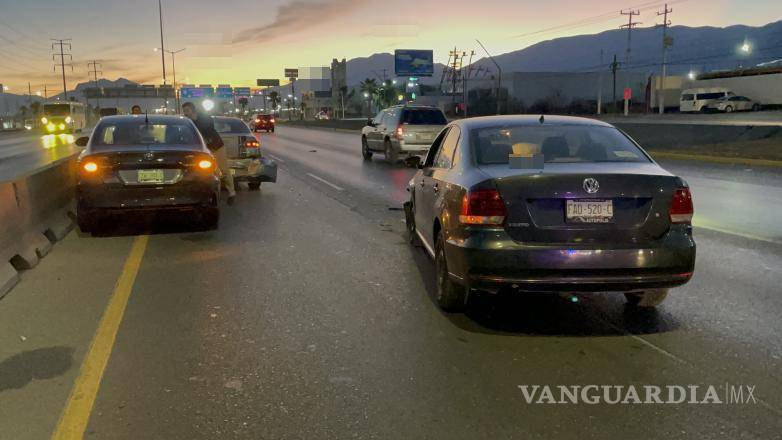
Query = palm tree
x=274 y=97
x=369 y=87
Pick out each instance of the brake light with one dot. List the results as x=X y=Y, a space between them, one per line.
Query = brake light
x=90 y=167
x=681 y=206
x=271 y=120
x=251 y=144
x=483 y=207
x=205 y=164
x=257 y=121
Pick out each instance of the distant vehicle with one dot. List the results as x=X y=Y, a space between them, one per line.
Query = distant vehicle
x=697 y=100
x=244 y=153
x=563 y=205
x=63 y=117
x=264 y=122
x=140 y=163
x=730 y=104
x=322 y=116
x=401 y=130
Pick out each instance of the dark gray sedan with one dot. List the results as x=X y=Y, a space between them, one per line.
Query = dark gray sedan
x=549 y=204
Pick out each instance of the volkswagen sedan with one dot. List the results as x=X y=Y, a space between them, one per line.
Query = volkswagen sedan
x=549 y=204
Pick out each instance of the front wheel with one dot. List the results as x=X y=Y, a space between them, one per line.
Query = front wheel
x=391 y=154
x=728 y=109
x=412 y=236
x=648 y=299
x=451 y=297
x=254 y=185
x=365 y=153
x=756 y=108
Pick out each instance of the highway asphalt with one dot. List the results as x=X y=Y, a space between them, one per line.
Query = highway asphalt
x=307 y=315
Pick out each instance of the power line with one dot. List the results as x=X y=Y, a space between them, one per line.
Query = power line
x=62 y=43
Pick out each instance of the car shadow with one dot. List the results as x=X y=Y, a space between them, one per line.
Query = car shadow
x=511 y=313
x=146 y=223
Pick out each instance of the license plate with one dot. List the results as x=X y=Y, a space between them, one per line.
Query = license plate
x=589 y=211
x=151 y=176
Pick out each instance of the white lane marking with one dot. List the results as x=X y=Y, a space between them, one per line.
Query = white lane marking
x=275 y=158
x=643 y=341
x=338 y=188
x=699 y=225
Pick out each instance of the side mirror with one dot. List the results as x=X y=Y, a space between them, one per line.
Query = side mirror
x=414 y=162
x=370 y=122
x=82 y=141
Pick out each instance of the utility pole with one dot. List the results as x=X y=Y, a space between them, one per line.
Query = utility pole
x=614 y=67
x=464 y=81
x=94 y=64
x=62 y=43
x=666 y=43
x=499 y=74
x=630 y=25
x=600 y=86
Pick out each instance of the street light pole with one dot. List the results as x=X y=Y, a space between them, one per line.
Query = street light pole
x=499 y=74
x=162 y=45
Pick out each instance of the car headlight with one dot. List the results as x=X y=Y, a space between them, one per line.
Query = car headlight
x=68 y=120
x=44 y=121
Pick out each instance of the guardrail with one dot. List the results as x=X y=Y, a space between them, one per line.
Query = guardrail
x=34 y=214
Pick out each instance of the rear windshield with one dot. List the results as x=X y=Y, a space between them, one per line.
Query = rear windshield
x=57 y=109
x=137 y=132
x=557 y=143
x=423 y=117
x=231 y=126
x=266 y=117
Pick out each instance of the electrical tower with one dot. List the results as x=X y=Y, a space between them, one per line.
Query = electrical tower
x=61 y=43
x=667 y=42
x=629 y=26
x=93 y=73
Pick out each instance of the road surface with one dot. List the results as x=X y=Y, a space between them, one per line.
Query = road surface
x=22 y=153
x=307 y=315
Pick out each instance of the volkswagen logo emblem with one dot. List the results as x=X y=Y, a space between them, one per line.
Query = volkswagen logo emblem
x=591 y=185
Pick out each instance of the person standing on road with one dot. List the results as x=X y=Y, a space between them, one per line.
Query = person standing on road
x=214 y=142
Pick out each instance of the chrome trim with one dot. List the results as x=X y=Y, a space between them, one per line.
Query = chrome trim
x=426 y=245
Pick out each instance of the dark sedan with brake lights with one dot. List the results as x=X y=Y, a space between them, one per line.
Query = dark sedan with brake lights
x=141 y=163
x=549 y=204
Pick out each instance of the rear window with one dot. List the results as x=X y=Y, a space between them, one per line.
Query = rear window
x=265 y=117
x=57 y=109
x=702 y=96
x=231 y=126
x=558 y=144
x=423 y=117
x=137 y=132
x=688 y=97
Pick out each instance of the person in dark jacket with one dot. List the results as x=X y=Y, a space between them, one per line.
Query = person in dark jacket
x=214 y=142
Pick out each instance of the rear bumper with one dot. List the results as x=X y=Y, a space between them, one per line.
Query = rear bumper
x=180 y=196
x=491 y=260
x=411 y=148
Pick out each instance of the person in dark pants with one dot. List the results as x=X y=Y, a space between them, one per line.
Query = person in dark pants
x=214 y=142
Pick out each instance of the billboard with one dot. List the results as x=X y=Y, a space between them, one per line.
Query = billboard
x=291 y=73
x=242 y=91
x=224 y=92
x=268 y=82
x=196 y=92
x=413 y=62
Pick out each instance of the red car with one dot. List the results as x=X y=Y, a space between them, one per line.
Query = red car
x=263 y=122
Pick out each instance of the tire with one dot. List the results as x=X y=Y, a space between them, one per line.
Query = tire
x=254 y=185
x=412 y=237
x=392 y=156
x=86 y=219
x=450 y=296
x=210 y=218
x=728 y=109
x=646 y=300
x=365 y=153
x=756 y=107
x=272 y=130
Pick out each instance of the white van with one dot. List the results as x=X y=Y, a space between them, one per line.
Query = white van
x=696 y=100
x=63 y=117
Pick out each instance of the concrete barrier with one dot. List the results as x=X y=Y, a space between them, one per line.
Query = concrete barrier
x=34 y=213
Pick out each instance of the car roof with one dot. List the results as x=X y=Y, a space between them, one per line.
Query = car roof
x=152 y=118
x=493 y=121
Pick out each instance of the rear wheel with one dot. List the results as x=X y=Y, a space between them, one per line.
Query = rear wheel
x=365 y=153
x=86 y=219
x=254 y=185
x=648 y=299
x=728 y=109
x=756 y=107
x=412 y=237
x=391 y=154
x=450 y=296
x=210 y=218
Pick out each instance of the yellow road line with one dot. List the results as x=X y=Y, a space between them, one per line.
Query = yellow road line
x=74 y=418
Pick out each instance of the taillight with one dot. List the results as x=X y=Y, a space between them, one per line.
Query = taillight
x=400 y=132
x=251 y=144
x=90 y=167
x=257 y=121
x=681 y=206
x=482 y=207
x=205 y=164
x=271 y=120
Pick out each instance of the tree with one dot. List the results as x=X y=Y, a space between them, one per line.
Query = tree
x=274 y=97
x=388 y=94
x=370 y=88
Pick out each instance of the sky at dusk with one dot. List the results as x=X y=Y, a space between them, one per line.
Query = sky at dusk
x=237 y=41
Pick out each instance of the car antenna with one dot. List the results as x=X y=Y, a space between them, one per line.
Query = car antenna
x=146 y=118
x=542 y=119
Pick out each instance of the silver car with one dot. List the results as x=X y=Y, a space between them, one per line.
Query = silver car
x=403 y=130
x=730 y=104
